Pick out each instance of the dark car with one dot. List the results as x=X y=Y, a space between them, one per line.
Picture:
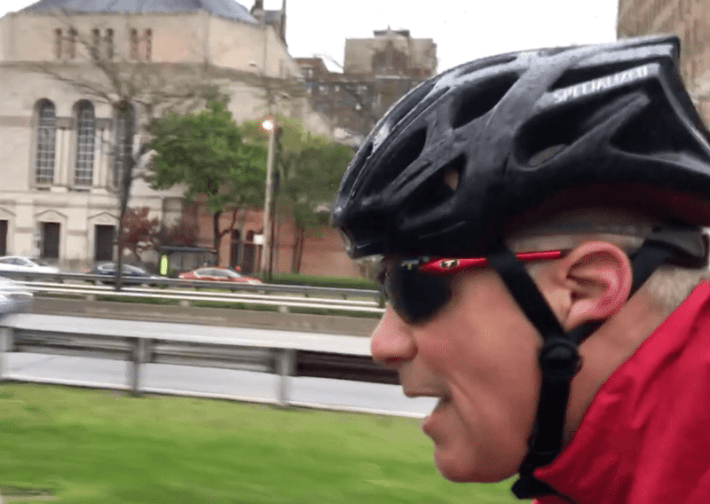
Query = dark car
x=133 y=274
x=218 y=275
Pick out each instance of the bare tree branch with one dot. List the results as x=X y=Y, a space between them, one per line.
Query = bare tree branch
x=95 y=70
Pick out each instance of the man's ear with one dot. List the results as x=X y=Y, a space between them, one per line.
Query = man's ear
x=592 y=282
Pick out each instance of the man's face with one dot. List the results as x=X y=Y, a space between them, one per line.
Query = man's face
x=478 y=356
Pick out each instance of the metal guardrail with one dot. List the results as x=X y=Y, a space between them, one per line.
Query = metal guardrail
x=188 y=291
x=196 y=284
x=342 y=357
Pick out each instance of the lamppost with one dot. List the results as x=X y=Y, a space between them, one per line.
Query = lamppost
x=268 y=125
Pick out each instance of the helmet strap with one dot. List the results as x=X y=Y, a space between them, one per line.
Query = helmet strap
x=559 y=358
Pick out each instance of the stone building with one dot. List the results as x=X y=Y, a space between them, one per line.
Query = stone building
x=58 y=197
x=689 y=20
x=377 y=71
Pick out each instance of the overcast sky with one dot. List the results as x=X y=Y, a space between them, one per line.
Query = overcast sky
x=462 y=29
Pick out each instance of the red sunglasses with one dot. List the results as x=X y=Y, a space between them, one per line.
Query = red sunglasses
x=417 y=289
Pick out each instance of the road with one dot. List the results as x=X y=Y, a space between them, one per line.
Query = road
x=208 y=382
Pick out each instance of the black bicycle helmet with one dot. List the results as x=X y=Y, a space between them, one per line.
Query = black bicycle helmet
x=464 y=155
x=521 y=129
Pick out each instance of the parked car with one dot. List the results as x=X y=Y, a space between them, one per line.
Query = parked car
x=14 y=297
x=23 y=264
x=218 y=275
x=130 y=272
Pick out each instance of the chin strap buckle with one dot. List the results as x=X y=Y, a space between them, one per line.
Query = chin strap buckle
x=559 y=360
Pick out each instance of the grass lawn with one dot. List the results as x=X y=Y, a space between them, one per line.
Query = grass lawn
x=88 y=446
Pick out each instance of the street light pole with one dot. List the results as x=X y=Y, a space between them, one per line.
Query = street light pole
x=269 y=126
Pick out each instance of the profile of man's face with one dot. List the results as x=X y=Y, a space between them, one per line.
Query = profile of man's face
x=478 y=356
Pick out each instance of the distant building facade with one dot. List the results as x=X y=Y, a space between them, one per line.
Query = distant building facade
x=58 y=197
x=689 y=20
x=376 y=72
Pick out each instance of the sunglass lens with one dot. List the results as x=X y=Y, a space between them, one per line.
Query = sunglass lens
x=415 y=296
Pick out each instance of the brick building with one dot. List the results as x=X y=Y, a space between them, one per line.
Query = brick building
x=689 y=20
x=377 y=71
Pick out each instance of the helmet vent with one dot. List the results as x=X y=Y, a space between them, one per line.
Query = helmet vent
x=439 y=188
x=656 y=130
x=430 y=99
x=554 y=51
x=480 y=99
x=475 y=66
x=548 y=135
x=405 y=154
x=541 y=157
x=410 y=101
x=356 y=165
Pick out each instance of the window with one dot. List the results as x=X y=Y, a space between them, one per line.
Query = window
x=95 y=44
x=58 y=43
x=148 y=44
x=123 y=141
x=50 y=240
x=46 y=138
x=101 y=47
x=73 y=34
x=133 y=50
x=85 y=137
x=109 y=44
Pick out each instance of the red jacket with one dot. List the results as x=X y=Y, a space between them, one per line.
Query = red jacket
x=645 y=438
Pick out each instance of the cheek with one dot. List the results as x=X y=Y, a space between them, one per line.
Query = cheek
x=498 y=352
x=488 y=365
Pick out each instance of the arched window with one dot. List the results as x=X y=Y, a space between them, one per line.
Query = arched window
x=58 y=43
x=95 y=44
x=123 y=141
x=46 y=139
x=109 y=44
x=148 y=44
x=133 y=50
x=73 y=34
x=85 y=138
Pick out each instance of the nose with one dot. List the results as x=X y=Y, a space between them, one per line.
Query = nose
x=392 y=342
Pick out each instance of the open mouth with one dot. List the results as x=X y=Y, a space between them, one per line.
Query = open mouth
x=443 y=402
x=430 y=424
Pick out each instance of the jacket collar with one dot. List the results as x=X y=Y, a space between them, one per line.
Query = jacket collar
x=645 y=438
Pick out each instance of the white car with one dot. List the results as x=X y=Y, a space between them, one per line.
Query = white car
x=23 y=264
x=14 y=297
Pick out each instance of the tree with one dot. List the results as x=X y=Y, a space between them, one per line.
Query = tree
x=139 y=232
x=310 y=168
x=131 y=87
x=205 y=151
x=183 y=233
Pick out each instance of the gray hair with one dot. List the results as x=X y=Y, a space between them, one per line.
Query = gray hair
x=667 y=287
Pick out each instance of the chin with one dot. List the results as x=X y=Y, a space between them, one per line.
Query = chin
x=461 y=470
